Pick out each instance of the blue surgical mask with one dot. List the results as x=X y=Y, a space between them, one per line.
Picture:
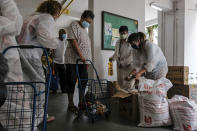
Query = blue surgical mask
x=134 y=46
x=85 y=24
x=64 y=36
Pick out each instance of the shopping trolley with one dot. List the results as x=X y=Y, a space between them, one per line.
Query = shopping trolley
x=26 y=103
x=96 y=101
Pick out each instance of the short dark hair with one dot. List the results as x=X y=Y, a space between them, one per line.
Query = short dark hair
x=87 y=14
x=123 y=28
x=62 y=31
x=51 y=7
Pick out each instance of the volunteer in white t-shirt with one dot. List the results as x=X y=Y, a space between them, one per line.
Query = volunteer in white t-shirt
x=59 y=58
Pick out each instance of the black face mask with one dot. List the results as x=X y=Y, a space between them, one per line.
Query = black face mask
x=134 y=46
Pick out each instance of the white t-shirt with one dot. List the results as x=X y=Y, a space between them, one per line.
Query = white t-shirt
x=60 y=51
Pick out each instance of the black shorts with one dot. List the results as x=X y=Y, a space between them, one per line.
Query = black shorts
x=69 y=77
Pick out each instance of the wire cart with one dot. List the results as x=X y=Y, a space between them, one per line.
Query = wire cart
x=96 y=101
x=26 y=104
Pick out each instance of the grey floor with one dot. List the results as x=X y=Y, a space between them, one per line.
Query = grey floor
x=65 y=121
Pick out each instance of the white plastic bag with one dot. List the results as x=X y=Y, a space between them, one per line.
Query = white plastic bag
x=153 y=105
x=132 y=86
x=129 y=90
x=184 y=113
x=76 y=94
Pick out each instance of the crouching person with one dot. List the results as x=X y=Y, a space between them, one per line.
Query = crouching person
x=153 y=62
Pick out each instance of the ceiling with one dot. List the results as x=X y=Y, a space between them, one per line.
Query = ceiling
x=78 y=5
x=150 y=13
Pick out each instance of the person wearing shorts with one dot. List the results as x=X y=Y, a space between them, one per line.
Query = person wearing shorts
x=59 y=59
x=79 y=47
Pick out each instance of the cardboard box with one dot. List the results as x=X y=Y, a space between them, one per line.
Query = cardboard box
x=189 y=91
x=178 y=70
x=178 y=90
x=178 y=79
x=178 y=74
x=128 y=105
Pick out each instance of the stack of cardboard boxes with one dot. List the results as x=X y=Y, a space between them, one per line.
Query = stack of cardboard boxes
x=128 y=104
x=178 y=75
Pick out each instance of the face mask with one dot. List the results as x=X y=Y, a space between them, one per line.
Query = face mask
x=134 y=46
x=64 y=36
x=124 y=36
x=85 y=24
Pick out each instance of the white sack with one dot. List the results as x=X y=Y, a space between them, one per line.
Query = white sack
x=153 y=105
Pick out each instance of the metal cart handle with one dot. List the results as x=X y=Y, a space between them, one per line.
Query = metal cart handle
x=50 y=73
x=22 y=47
x=30 y=47
x=79 y=79
x=91 y=63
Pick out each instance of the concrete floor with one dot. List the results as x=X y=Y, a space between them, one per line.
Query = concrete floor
x=65 y=121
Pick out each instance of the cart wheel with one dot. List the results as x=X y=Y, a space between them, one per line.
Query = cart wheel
x=77 y=119
x=107 y=114
x=92 y=120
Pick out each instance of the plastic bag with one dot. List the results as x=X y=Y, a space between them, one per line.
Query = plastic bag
x=153 y=105
x=54 y=82
x=76 y=94
x=184 y=113
x=129 y=90
x=132 y=86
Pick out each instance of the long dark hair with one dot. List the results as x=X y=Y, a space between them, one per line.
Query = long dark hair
x=140 y=36
x=133 y=37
